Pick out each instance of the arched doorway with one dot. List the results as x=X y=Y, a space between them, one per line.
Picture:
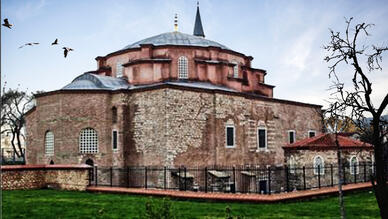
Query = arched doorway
x=51 y=162
x=90 y=162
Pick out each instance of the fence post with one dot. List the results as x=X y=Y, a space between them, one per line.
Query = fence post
x=288 y=186
x=165 y=179
x=145 y=177
x=355 y=172
x=304 y=178
x=344 y=173
x=319 y=176
x=205 y=179
x=364 y=171
x=269 y=179
x=95 y=182
x=234 y=179
x=331 y=172
x=179 y=178
x=111 y=176
x=128 y=177
x=185 y=178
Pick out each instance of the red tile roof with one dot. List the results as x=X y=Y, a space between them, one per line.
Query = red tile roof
x=327 y=141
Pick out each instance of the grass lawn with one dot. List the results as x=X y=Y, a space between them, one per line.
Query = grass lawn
x=68 y=204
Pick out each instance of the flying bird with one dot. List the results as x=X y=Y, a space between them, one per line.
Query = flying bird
x=66 y=50
x=55 y=42
x=28 y=44
x=6 y=23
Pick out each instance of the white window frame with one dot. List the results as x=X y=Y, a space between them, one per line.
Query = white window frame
x=322 y=168
x=373 y=163
x=117 y=140
x=258 y=140
x=119 y=69
x=183 y=67
x=294 y=133
x=308 y=133
x=226 y=136
x=351 y=166
x=235 y=69
x=82 y=149
x=51 y=151
x=291 y=164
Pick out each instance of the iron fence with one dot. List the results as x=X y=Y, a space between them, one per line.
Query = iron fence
x=242 y=179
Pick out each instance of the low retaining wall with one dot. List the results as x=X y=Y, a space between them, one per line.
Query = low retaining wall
x=67 y=177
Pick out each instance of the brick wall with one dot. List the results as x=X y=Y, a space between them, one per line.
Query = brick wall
x=68 y=177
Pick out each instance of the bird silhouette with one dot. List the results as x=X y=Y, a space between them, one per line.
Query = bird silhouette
x=6 y=23
x=55 y=42
x=28 y=44
x=66 y=50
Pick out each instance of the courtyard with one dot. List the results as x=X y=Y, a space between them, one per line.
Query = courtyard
x=70 y=204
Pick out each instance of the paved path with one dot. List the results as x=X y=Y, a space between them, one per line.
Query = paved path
x=229 y=197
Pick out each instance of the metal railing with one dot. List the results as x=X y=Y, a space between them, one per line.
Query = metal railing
x=242 y=179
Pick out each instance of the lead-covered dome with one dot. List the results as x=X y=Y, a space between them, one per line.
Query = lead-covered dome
x=177 y=39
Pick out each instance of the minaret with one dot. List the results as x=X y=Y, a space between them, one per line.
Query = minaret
x=176 y=23
x=198 y=30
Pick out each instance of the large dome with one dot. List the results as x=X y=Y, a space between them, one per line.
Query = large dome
x=176 y=38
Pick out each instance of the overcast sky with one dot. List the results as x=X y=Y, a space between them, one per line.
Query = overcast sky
x=284 y=37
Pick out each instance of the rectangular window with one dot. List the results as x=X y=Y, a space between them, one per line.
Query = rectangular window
x=291 y=137
x=114 y=140
x=311 y=134
x=230 y=136
x=262 y=138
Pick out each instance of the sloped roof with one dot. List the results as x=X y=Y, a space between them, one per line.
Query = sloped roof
x=90 y=81
x=327 y=141
x=176 y=38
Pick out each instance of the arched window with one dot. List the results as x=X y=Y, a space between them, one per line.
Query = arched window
x=183 y=68
x=291 y=164
x=235 y=69
x=49 y=143
x=88 y=141
x=51 y=162
x=114 y=114
x=319 y=163
x=353 y=165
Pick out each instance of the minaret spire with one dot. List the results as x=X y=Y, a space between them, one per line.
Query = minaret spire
x=198 y=29
x=176 y=23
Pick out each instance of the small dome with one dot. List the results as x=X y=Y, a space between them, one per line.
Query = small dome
x=88 y=81
x=176 y=38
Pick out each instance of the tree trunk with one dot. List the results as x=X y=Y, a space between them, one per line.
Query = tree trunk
x=340 y=178
x=381 y=189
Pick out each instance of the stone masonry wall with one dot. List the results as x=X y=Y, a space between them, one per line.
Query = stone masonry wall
x=70 y=177
x=166 y=126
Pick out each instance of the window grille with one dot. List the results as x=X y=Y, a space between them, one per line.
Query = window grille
x=353 y=164
x=318 y=162
x=235 y=69
x=49 y=143
x=88 y=141
x=119 y=69
x=183 y=70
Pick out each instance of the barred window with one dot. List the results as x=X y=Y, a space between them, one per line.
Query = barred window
x=49 y=143
x=235 y=69
x=119 y=69
x=88 y=141
x=354 y=165
x=319 y=164
x=183 y=69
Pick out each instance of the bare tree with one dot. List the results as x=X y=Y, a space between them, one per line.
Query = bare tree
x=356 y=101
x=14 y=106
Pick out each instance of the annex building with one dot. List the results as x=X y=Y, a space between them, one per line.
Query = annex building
x=172 y=99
